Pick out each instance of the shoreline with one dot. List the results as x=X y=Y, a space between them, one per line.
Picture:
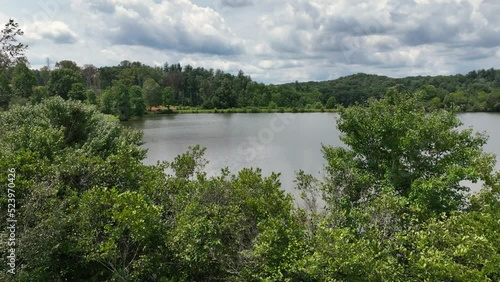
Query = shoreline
x=239 y=110
x=170 y=112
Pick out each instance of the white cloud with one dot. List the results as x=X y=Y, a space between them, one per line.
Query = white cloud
x=56 y=31
x=167 y=25
x=273 y=41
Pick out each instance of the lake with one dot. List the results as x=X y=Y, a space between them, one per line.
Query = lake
x=279 y=142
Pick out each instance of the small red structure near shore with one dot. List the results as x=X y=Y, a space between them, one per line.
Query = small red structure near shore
x=160 y=108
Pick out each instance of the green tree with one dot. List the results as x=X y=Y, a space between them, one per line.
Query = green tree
x=493 y=101
x=70 y=65
x=152 y=93
x=23 y=81
x=78 y=147
x=431 y=92
x=218 y=222
x=118 y=230
x=463 y=247
x=168 y=96
x=458 y=99
x=39 y=94
x=77 y=92
x=107 y=102
x=116 y=101
x=224 y=95
x=435 y=103
x=11 y=51
x=395 y=207
x=5 y=91
x=44 y=74
x=91 y=97
x=137 y=105
x=395 y=143
x=61 y=81
x=123 y=101
x=272 y=105
x=331 y=103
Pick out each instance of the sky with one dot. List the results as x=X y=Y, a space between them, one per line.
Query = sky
x=272 y=41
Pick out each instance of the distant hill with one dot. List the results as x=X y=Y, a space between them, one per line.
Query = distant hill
x=475 y=91
x=129 y=88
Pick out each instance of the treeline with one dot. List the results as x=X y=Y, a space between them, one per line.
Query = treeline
x=130 y=88
x=477 y=91
x=87 y=209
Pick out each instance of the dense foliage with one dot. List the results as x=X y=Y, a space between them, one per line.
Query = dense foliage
x=115 y=90
x=475 y=91
x=129 y=88
x=392 y=207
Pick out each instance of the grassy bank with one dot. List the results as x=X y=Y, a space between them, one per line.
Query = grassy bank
x=195 y=110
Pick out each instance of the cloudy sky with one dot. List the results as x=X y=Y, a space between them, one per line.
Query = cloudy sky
x=273 y=41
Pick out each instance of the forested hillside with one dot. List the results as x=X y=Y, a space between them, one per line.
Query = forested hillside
x=475 y=91
x=130 y=88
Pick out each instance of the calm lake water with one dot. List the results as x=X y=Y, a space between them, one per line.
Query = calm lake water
x=282 y=143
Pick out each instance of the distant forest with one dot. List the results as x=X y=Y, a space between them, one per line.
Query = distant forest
x=130 y=88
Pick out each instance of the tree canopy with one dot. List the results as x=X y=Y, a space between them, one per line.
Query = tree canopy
x=12 y=51
x=176 y=85
x=90 y=210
